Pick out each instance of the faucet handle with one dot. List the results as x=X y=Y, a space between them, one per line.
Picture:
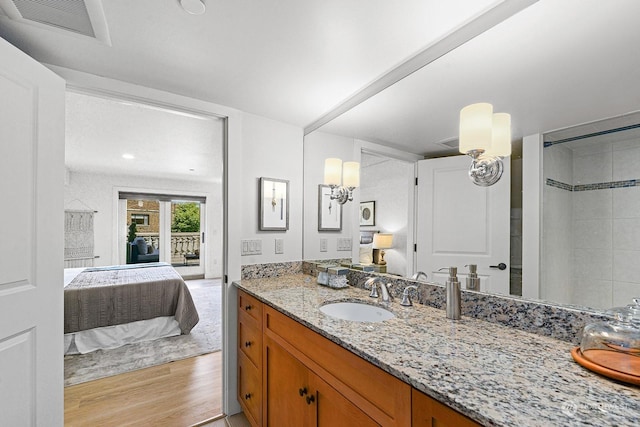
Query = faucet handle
x=374 y=289
x=406 y=299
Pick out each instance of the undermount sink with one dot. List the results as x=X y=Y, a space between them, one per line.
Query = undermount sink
x=357 y=311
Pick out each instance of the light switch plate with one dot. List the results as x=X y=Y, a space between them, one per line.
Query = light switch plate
x=344 y=244
x=323 y=245
x=279 y=246
x=251 y=247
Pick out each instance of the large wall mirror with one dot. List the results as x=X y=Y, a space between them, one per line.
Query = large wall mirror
x=554 y=67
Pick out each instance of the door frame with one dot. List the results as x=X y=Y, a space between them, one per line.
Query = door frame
x=231 y=184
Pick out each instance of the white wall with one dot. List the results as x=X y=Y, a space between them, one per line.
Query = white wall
x=96 y=191
x=317 y=147
x=390 y=184
x=273 y=150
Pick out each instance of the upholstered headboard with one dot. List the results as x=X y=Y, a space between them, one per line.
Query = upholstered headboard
x=366 y=246
x=366 y=236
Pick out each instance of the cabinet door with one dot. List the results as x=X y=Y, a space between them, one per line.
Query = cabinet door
x=249 y=390
x=428 y=412
x=286 y=380
x=333 y=409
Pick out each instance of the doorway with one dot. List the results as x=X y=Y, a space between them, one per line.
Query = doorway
x=168 y=228
x=120 y=147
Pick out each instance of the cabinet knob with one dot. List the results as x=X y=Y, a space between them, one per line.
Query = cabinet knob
x=247 y=396
x=310 y=399
x=247 y=307
x=247 y=343
x=302 y=391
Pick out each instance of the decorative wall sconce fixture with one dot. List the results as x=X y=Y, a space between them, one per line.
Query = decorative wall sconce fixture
x=342 y=179
x=485 y=136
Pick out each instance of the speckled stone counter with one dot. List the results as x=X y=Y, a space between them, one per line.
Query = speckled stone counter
x=496 y=375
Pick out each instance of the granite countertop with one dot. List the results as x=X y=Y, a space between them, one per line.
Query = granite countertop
x=496 y=375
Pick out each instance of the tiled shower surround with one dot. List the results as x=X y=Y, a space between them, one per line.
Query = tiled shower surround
x=591 y=222
x=560 y=322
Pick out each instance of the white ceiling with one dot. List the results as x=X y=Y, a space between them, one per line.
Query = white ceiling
x=555 y=64
x=167 y=144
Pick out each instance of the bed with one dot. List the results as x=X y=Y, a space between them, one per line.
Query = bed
x=106 y=307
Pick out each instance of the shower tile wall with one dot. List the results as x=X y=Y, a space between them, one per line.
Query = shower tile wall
x=604 y=228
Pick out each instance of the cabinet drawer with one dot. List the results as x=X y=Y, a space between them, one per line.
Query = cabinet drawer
x=250 y=305
x=250 y=389
x=250 y=338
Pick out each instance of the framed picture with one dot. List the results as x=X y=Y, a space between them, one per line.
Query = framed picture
x=329 y=211
x=368 y=213
x=274 y=204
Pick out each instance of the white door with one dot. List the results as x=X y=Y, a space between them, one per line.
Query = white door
x=460 y=223
x=31 y=241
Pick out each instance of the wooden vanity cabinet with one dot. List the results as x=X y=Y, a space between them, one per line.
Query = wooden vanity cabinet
x=289 y=375
x=428 y=412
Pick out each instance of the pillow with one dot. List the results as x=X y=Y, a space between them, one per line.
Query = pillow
x=366 y=254
x=141 y=244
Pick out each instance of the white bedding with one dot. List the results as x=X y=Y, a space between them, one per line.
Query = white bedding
x=109 y=337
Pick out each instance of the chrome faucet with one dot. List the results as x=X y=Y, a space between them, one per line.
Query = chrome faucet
x=418 y=274
x=406 y=299
x=373 y=282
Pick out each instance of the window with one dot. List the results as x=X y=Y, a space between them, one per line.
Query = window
x=140 y=219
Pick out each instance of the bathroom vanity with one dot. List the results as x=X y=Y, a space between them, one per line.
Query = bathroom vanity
x=299 y=366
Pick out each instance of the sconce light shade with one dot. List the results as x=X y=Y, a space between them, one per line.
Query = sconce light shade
x=351 y=174
x=476 y=123
x=501 y=135
x=333 y=171
x=486 y=138
x=382 y=241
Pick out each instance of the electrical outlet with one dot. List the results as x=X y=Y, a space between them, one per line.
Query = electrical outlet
x=323 y=245
x=279 y=246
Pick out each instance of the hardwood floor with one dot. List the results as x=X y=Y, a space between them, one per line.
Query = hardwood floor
x=181 y=393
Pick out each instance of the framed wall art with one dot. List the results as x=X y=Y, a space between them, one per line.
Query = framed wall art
x=274 y=204
x=329 y=211
x=368 y=213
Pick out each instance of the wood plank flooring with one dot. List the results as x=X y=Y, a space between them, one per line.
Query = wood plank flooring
x=181 y=393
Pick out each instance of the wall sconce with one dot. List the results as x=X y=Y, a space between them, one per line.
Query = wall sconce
x=486 y=137
x=342 y=179
x=382 y=241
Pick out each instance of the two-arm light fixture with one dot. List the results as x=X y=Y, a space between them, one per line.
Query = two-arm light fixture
x=342 y=179
x=486 y=137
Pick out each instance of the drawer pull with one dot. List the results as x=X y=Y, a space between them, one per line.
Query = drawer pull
x=310 y=399
x=247 y=396
x=247 y=307
x=302 y=391
x=247 y=343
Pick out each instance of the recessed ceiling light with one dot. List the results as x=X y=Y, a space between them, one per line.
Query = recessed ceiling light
x=191 y=169
x=194 y=7
x=128 y=156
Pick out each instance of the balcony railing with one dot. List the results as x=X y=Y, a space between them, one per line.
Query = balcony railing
x=181 y=245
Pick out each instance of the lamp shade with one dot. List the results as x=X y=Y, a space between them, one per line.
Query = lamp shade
x=382 y=241
x=476 y=123
x=332 y=171
x=501 y=136
x=351 y=174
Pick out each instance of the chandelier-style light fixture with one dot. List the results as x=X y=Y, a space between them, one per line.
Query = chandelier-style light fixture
x=485 y=136
x=342 y=179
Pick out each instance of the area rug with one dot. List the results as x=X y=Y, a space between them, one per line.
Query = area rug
x=205 y=337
